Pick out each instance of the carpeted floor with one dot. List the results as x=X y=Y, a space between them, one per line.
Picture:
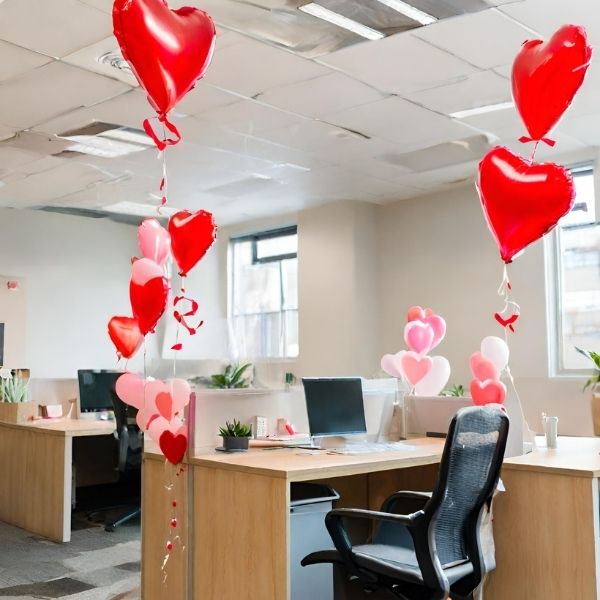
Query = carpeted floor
x=95 y=565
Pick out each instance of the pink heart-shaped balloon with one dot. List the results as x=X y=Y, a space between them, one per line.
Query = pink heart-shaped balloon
x=390 y=363
x=167 y=398
x=419 y=336
x=130 y=389
x=438 y=324
x=415 y=366
x=417 y=313
x=154 y=241
x=483 y=368
x=159 y=425
x=487 y=392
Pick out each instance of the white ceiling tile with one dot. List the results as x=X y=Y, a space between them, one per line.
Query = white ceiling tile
x=400 y=121
x=103 y=5
x=504 y=71
x=585 y=128
x=55 y=28
x=430 y=180
x=250 y=67
x=546 y=17
x=249 y=117
x=205 y=97
x=322 y=95
x=16 y=61
x=399 y=64
x=501 y=123
x=51 y=90
x=13 y=158
x=486 y=39
x=6 y=132
x=476 y=90
x=49 y=185
x=87 y=58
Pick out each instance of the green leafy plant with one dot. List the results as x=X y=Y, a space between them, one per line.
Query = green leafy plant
x=231 y=378
x=455 y=391
x=595 y=358
x=14 y=389
x=235 y=429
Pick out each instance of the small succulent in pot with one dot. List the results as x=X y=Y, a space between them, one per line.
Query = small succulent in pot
x=236 y=435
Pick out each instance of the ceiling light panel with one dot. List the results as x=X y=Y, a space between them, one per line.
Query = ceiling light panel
x=410 y=11
x=316 y=10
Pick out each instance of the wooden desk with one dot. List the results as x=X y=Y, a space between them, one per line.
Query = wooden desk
x=36 y=473
x=547 y=530
x=237 y=544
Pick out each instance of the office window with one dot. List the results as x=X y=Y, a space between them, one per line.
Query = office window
x=574 y=278
x=264 y=294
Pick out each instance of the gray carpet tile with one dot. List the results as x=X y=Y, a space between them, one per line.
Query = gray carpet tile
x=95 y=565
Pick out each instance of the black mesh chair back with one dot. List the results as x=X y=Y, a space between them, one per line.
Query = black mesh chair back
x=468 y=476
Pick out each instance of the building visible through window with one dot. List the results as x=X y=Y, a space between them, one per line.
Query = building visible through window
x=576 y=265
x=264 y=294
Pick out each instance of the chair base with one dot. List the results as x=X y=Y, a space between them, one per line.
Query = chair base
x=123 y=518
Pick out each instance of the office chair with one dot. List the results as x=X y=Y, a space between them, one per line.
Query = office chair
x=130 y=458
x=435 y=550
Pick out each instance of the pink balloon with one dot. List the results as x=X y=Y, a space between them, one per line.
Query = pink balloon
x=390 y=363
x=419 y=336
x=167 y=398
x=483 y=368
x=487 y=392
x=154 y=241
x=159 y=425
x=415 y=366
x=438 y=324
x=130 y=389
x=437 y=378
x=417 y=313
x=145 y=270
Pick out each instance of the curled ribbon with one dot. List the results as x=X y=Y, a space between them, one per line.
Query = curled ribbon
x=508 y=316
x=182 y=317
x=161 y=144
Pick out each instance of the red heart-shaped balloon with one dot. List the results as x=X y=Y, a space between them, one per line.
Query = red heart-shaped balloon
x=483 y=368
x=168 y=50
x=148 y=292
x=192 y=235
x=522 y=201
x=547 y=75
x=487 y=392
x=173 y=446
x=126 y=335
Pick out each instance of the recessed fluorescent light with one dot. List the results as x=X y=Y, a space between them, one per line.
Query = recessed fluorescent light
x=316 y=10
x=410 y=11
x=481 y=110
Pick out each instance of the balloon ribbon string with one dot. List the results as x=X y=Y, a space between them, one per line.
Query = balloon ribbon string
x=525 y=140
x=183 y=318
x=161 y=144
x=511 y=311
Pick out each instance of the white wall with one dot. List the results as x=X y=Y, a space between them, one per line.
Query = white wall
x=77 y=274
x=437 y=251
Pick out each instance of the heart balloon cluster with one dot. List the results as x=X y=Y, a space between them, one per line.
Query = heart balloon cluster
x=522 y=200
x=486 y=367
x=426 y=375
x=160 y=406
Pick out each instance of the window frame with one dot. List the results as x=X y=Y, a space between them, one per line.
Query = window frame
x=255 y=238
x=553 y=270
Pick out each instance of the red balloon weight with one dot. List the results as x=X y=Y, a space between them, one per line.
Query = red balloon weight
x=522 y=202
x=546 y=77
x=168 y=50
x=126 y=335
x=148 y=292
x=192 y=235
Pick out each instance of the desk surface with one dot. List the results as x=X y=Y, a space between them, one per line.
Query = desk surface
x=300 y=465
x=577 y=456
x=67 y=427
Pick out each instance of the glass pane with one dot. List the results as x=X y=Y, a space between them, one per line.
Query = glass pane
x=584 y=209
x=292 y=348
x=277 y=246
x=289 y=283
x=580 y=293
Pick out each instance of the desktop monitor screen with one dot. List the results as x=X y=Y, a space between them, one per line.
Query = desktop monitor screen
x=334 y=406
x=96 y=389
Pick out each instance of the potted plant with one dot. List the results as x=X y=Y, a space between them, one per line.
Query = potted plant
x=594 y=383
x=456 y=391
x=236 y=435
x=15 y=406
x=231 y=378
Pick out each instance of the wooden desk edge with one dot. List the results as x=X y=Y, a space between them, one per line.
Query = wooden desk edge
x=551 y=469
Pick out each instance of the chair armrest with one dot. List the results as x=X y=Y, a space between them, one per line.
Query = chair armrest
x=417 y=499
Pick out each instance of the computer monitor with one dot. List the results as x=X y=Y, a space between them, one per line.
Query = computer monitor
x=334 y=406
x=96 y=389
